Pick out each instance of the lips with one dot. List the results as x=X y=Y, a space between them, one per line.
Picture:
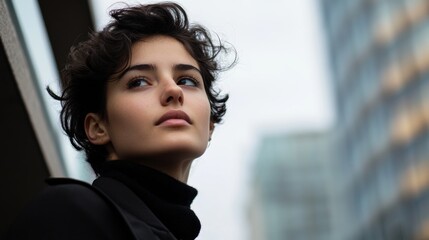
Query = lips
x=173 y=114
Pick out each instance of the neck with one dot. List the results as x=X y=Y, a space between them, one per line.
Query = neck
x=178 y=169
x=168 y=198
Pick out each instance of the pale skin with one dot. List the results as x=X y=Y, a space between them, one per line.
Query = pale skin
x=157 y=111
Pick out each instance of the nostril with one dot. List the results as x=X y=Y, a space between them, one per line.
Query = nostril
x=172 y=94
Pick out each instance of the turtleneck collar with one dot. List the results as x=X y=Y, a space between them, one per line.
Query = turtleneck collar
x=168 y=198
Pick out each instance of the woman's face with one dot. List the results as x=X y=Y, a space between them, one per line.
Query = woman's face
x=158 y=109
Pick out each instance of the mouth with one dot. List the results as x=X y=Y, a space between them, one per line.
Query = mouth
x=174 y=115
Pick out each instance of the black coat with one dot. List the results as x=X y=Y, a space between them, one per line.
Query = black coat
x=71 y=209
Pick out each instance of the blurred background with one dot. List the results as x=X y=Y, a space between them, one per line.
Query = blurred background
x=326 y=134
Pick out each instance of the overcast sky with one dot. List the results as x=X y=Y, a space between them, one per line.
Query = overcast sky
x=279 y=85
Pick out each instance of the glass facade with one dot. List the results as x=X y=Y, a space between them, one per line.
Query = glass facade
x=379 y=58
x=291 y=197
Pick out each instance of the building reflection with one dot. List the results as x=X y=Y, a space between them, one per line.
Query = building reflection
x=379 y=154
x=291 y=197
x=380 y=59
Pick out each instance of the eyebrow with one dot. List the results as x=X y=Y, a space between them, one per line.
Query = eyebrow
x=151 y=67
x=186 y=67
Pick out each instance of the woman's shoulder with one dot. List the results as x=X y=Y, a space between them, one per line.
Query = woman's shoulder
x=68 y=191
x=68 y=188
x=69 y=209
x=65 y=195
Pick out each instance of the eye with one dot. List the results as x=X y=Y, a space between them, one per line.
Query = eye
x=188 y=81
x=137 y=82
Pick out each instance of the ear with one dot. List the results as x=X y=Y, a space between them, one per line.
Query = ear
x=211 y=129
x=95 y=129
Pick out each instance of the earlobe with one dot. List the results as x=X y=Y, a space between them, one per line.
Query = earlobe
x=95 y=129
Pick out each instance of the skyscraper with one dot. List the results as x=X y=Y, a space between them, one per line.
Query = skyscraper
x=379 y=56
x=290 y=197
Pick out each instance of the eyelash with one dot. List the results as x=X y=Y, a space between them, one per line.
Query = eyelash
x=134 y=80
x=194 y=81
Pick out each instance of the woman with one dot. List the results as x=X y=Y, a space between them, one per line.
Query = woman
x=138 y=97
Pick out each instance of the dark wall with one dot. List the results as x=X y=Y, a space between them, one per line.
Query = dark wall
x=22 y=166
x=67 y=23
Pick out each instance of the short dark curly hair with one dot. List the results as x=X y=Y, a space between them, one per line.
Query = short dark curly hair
x=92 y=63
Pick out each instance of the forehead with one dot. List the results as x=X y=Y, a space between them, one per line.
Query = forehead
x=160 y=50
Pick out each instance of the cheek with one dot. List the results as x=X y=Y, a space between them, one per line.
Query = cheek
x=204 y=113
x=125 y=115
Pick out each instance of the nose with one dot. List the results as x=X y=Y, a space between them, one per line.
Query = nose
x=172 y=94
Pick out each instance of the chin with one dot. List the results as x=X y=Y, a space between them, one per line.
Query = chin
x=185 y=152
x=184 y=145
x=167 y=152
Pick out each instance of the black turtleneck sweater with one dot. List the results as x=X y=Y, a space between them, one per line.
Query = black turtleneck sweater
x=168 y=198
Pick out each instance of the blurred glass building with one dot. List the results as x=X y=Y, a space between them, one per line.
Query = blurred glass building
x=379 y=55
x=290 y=196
